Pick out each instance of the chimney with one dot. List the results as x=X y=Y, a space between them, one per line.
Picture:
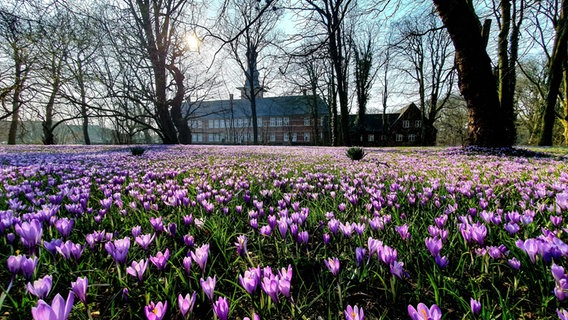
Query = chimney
x=305 y=92
x=231 y=96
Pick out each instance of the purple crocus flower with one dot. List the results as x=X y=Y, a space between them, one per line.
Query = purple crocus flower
x=156 y=311
x=52 y=245
x=200 y=256
x=250 y=280
x=561 y=289
x=403 y=231
x=514 y=263
x=422 y=312
x=161 y=259
x=29 y=266
x=157 y=224
x=241 y=245
x=434 y=245
x=475 y=306
x=562 y=314
x=186 y=303
x=41 y=287
x=354 y=313
x=79 y=287
x=64 y=226
x=254 y=317
x=208 y=286
x=136 y=231
x=530 y=246
x=359 y=255
x=118 y=249
x=442 y=262
x=332 y=265
x=283 y=227
x=269 y=285
x=187 y=265
x=303 y=237
x=326 y=238
x=397 y=269
x=15 y=263
x=58 y=310
x=188 y=240
x=221 y=308
x=137 y=269
x=30 y=232
x=69 y=249
x=145 y=240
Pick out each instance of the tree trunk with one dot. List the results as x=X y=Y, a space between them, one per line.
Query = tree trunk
x=508 y=52
x=475 y=78
x=555 y=76
x=16 y=98
x=180 y=121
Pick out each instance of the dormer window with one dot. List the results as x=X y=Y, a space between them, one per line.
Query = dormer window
x=406 y=123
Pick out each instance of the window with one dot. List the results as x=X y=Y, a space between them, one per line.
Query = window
x=286 y=121
x=210 y=124
x=399 y=138
x=199 y=124
x=259 y=122
x=411 y=137
x=222 y=124
x=294 y=137
x=272 y=137
x=383 y=137
x=321 y=121
x=405 y=123
x=371 y=138
x=210 y=138
x=418 y=123
x=278 y=122
x=306 y=136
x=306 y=121
x=199 y=137
x=240 y=123
x=272 y=122
x=259 y=137
x=286 y=137
x=216 y=124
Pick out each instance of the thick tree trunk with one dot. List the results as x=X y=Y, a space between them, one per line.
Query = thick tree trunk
x=555 y=76
x=184 y=132
x=475 y=78
x=16 y=98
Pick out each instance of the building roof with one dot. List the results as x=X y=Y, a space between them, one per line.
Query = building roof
x=374 y=122
x=265 y=107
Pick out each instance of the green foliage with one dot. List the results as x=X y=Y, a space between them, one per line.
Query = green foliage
x=137 y=151
x=356 y=153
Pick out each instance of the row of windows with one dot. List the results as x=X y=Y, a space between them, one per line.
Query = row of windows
x=245 y=123
x=399 y=138
x=243 y=138
x=406 y=123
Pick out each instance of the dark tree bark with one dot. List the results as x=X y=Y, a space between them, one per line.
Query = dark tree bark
x=476 y=81
x=555 y=76
x=180 y=121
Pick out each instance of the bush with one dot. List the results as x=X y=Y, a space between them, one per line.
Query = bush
x=356 y=153
x=137 y=151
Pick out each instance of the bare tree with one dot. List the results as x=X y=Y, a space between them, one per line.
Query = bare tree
x=488 y=124
x=365 y=73
x=555 y=72
x=156 y=24
x=426 y=51
x=17 y=32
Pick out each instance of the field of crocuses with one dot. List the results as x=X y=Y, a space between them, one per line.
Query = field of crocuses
x=281 y=233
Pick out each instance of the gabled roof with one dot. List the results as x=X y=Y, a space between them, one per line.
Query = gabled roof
x=374 y=122
x=265 y=107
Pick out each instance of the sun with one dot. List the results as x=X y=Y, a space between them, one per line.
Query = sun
x=192 y=41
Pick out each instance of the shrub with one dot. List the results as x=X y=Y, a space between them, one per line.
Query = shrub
x=356 y=153
x=137 y=151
